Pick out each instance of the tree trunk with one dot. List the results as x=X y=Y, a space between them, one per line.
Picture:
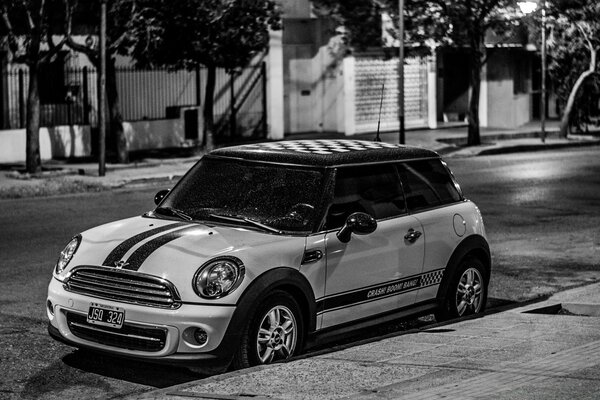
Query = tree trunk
x=473 y=137
x=564 y=122
x=117 y=134
x=209 y=122
x=33 y=162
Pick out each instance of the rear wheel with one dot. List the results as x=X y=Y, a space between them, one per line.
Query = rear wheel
x=274 y=333
x=467 y=292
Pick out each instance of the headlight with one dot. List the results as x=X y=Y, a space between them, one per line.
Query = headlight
x=218 y=277
x=67 y=254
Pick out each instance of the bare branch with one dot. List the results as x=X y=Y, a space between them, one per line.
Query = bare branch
x=585 y=35
x=8 y=24
x=118 y=41
x=88 y=51
x=28 y=13
x=42 y=12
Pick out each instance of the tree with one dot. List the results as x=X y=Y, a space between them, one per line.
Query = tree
x=29 y=28
x=574 y=47
x=120 y=15
x=437 y=23
x=214 y=33
x=361 y=20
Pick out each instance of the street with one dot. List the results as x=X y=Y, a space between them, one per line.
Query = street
x=541 y=210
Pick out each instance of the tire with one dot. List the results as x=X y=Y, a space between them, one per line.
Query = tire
x=467 y=292
x=274 y=333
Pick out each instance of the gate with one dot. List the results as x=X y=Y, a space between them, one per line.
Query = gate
x=373 y=74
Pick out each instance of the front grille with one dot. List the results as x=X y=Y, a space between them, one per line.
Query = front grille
x=123 y=286
x=130 y=337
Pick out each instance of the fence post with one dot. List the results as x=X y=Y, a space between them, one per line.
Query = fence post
x=86 y=97
x=263 y=71
x=22 y=105
x=232 y=116
x=198 y=86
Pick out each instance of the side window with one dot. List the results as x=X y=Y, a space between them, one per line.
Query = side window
x=427 y=183
x=373 y=189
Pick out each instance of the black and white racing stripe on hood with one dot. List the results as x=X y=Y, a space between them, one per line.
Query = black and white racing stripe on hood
x=119 y=252
x=137 y=258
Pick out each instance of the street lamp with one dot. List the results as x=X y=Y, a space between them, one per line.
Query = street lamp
x=528 y=7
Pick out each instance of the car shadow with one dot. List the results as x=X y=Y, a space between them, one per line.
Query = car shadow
x=92 y=373
x=133 y=371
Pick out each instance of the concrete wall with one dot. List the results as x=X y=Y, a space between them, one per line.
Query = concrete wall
x=313 y=81
x=58 y=142
x=156 y=134
x=296 y=8
x=76 y=141
x=505 y=108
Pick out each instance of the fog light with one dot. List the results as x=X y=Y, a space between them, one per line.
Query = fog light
x=200 y=336
x=50 y=307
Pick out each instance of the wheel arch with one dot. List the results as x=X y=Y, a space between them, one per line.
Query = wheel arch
x=472 y=246
x=283 y=278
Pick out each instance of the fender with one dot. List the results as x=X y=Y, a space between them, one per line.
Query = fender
x=284 y=278
x=474 y=245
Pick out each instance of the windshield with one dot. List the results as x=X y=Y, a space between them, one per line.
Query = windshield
x=263 y=196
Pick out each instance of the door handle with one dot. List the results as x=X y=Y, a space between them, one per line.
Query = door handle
x=412 y=235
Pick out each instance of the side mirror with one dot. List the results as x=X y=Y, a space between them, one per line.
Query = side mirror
x=160 y=196
x=358 y=223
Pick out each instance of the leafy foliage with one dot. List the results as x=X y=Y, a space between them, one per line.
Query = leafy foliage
x=573 y=46
x=359 y=20
x=183 y=33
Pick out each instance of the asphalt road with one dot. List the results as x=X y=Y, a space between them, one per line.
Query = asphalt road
x=541 y=211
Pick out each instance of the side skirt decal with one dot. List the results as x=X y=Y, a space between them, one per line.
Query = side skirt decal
x=377 y=292
x=119 y=251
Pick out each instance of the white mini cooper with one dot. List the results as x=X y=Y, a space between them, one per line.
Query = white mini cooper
x=260 y=249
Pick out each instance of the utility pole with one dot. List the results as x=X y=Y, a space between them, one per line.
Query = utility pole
x=102 y=93
x=543 y=99
x=401 y=70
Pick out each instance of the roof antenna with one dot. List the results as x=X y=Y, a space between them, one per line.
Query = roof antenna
x=377 y=138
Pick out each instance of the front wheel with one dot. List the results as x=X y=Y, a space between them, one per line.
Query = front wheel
x=274 y=333
x=467 y=292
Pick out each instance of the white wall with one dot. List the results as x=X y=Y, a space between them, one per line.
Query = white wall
x=505 y=109
x=75 y=141
x=155 y=134
x=58 y=142
x=275 y=92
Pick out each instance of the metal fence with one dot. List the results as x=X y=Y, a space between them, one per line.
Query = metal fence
x=69 y=97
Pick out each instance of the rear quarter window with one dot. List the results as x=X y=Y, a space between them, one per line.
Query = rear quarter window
x=427 y=184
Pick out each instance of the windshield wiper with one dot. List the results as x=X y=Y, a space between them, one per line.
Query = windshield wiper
x=246 y=220
x=174 y=212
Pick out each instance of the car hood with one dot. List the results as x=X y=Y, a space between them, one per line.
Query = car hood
x=175 y=250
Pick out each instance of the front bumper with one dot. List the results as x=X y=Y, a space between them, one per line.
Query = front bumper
x=150 y=333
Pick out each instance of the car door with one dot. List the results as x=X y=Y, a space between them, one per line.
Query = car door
x=374 y=273
x=434 y=198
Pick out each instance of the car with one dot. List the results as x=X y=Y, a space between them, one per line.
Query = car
x=261 y=249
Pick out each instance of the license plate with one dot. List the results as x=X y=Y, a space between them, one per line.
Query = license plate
x=100 y=314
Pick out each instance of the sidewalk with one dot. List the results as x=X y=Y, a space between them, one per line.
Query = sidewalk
x=516 y=354
x=66 y=177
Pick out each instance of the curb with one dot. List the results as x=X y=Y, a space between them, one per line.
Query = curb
x=537 y=147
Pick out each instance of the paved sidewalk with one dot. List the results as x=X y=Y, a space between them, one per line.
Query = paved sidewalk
x=515 y=354
x=68 y=177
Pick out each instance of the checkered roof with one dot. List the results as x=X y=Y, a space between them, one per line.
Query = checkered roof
x=325 y=152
